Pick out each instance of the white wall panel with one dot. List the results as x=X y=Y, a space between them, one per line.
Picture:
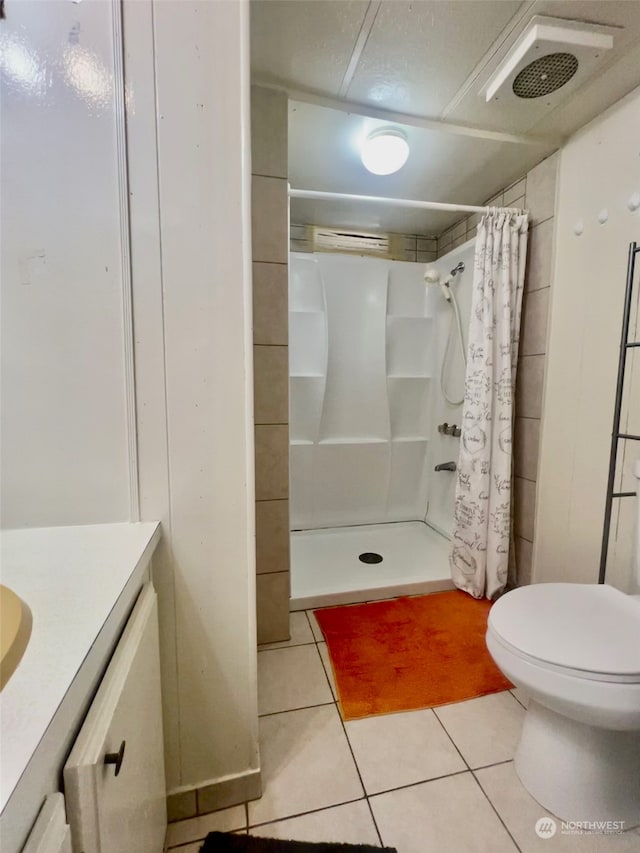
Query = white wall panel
x=350 y=483
x=586 y=315
x=408 y=480
x=64 y=419
x=204 y=185
x=361 y=431
x=151 y=409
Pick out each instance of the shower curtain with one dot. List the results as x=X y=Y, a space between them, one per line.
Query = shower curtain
x=479 y=555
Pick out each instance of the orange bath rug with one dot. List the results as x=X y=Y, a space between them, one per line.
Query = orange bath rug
x=409 y=653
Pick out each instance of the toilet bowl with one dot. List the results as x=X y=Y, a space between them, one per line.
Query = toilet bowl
x=575 y=650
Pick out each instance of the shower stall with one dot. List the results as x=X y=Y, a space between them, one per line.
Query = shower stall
x=370 y=516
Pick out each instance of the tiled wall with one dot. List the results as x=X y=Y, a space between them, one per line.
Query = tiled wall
x=535 y=192
x=465 y=229
x=422 y=250
x=270 y=215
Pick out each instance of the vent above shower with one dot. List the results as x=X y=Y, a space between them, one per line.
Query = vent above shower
x=357 y=242
x=551 y=58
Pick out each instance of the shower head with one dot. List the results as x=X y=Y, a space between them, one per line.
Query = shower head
x=432 y=277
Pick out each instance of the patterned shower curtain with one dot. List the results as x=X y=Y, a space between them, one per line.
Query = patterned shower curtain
x=480 y=544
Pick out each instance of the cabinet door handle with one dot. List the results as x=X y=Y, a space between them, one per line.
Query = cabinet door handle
x=116 y=758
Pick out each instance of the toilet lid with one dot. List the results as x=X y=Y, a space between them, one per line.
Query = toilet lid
x=590 y=627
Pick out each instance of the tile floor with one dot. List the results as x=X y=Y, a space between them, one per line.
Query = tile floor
x=433 y=781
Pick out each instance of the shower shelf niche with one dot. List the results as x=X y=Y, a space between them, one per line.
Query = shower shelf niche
x=354 y=440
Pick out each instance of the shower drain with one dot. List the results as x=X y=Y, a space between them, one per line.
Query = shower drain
x=370 y=557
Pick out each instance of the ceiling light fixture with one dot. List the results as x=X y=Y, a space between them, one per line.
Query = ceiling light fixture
x=385 y=151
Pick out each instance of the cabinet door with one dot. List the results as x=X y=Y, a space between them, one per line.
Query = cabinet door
x=114 y=778
x=50 y=833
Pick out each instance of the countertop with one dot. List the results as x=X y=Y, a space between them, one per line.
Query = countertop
x=71 y=578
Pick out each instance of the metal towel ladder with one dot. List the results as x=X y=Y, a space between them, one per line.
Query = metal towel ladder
x=616 y=435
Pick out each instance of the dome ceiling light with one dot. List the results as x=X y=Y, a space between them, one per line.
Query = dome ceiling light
x=385 y=151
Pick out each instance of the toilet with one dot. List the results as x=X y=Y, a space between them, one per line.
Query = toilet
x=574 y=649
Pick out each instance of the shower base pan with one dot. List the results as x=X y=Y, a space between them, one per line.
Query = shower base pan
x=326 y=569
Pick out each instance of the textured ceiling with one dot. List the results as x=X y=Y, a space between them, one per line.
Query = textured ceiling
x=426 y=59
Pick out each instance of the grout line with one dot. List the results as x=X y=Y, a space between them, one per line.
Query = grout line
x=466 y=763
x=497 y=813
x=274 y=263
x=477 y=782
x=276 y=647
x=534 y=225
x=303 y=814
x=420 y=782
x=517 y=700
x=183 y=844
x=355 y=763
x=521 y=477
x=294 y=710
x=494 y=764
x=301 y=708
x=344 y=729
x=277 y=572
x=277 y=177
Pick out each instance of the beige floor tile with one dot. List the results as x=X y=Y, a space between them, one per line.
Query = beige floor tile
x=449 y=815
x=306 y=764
x=520 y=811
x=317 y=633
x=301 y=633
x=291 y=678
x=324 y=654
x=348 y=824
x=485 y=730
x=400 y=749
x=196 y=828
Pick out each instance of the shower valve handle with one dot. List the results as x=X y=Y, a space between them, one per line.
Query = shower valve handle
x=449 y=429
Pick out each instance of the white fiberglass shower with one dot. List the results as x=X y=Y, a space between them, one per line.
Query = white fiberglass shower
x=367 y=339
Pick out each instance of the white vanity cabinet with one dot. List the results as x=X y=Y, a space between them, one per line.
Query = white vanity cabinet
x=114 y=777
x=51 y=833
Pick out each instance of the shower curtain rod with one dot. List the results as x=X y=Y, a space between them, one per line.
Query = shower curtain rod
x=395 y=202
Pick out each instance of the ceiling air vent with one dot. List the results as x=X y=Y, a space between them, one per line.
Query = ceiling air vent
x=550 y=59
x=338 y=240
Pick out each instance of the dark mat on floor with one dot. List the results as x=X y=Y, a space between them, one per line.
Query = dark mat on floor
x=223 y=842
